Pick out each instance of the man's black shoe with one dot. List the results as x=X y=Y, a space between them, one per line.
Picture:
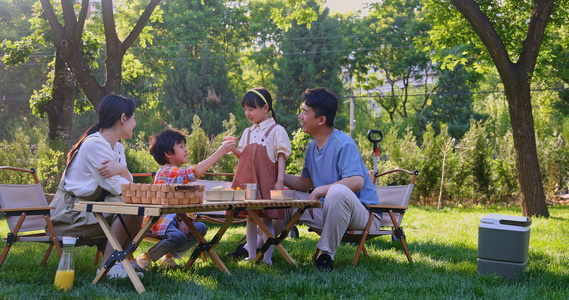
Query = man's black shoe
x=240 y=252
x=324 y=263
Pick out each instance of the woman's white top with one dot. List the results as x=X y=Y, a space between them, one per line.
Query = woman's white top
x=277 y=141
x=82 y=177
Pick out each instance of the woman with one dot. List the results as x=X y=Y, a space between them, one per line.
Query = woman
x=96 y=169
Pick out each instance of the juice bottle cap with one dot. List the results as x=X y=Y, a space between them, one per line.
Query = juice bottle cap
x=69 y=240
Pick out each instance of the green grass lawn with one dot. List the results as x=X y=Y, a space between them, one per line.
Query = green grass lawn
x=443 y=245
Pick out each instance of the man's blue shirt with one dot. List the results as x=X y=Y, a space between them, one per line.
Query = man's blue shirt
x=338 y=159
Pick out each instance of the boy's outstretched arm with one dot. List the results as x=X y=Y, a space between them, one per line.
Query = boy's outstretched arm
x=204 y=165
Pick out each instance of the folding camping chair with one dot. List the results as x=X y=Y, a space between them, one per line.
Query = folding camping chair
x=27 y=213
x=394 y=200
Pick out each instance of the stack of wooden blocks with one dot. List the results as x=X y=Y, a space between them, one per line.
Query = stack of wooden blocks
x=164 y=194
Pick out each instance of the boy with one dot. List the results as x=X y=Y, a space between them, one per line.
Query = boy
x=169 y=150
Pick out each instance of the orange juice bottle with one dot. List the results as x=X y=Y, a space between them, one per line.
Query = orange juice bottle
x=65 y=274
x=64 y=280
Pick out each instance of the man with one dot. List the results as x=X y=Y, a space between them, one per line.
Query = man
x=334 y=167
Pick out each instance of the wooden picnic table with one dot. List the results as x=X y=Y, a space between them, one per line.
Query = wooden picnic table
x=155 y=210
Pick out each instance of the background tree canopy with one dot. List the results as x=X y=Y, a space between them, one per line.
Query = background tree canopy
x=423 y=72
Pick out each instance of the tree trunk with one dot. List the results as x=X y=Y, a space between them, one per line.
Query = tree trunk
x=532 y=195
x=68 y=43
x=61 y=107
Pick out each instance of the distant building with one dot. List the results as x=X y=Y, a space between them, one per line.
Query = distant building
x=417 y=80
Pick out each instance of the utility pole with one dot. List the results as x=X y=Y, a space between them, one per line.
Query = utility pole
x=352 y=121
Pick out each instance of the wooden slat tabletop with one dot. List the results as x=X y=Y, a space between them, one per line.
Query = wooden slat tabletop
x=158 y=209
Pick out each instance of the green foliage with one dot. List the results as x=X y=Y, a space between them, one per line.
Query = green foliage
x=201 y=147
x=554 y=164
x=21 y=152
x=50 y=162
x=451 y=104
x=16 y=82
x=552 y=68
x=399 y=153
x=138 y=158
x=197 y=143
x=197 y=58
x=509 y=19
x=228 y=163
x=478 y=170
x=41 y=98
x=317 y=67
x=493 y=106
x=475 y=155
x=431 y=166
x=258 y=61
x=504 y=173
x=390 y=63
x=298 y=146
x=17 y=52
x=15 y=154
x=189 y=68
x=300 y=11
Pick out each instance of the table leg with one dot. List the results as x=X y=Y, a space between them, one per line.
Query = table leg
x=203 y=245
x=276 y=241
x=119 y=254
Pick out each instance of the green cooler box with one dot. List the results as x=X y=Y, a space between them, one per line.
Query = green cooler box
x=503 y=243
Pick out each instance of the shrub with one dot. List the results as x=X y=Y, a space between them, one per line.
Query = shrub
x=430 y=167
x=298 y=149
x=139 y=159
x=49 y=163
x=552 y=155
x=474 y=161
x=402 y=153
x=228 y=163
x=504 y=175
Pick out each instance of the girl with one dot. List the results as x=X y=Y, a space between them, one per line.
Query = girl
x=262 y=152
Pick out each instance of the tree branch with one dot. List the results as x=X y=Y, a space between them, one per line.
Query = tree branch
x=69 y=14
x=485 y=31
x=56 y=27
x=82 y=17
x=140 y=24
x=111 y=36
x=539 y=18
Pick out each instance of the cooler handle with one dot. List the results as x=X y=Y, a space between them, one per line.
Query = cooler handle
x=516 y=223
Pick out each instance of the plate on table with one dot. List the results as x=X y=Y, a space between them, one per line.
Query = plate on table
x=224 y=195
x=282 y=195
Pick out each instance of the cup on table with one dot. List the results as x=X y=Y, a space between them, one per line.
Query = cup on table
x=251 y=191
x=229 y=138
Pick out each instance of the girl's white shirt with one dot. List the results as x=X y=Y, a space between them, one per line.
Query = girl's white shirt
x=277 y=141
x=82 y=177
